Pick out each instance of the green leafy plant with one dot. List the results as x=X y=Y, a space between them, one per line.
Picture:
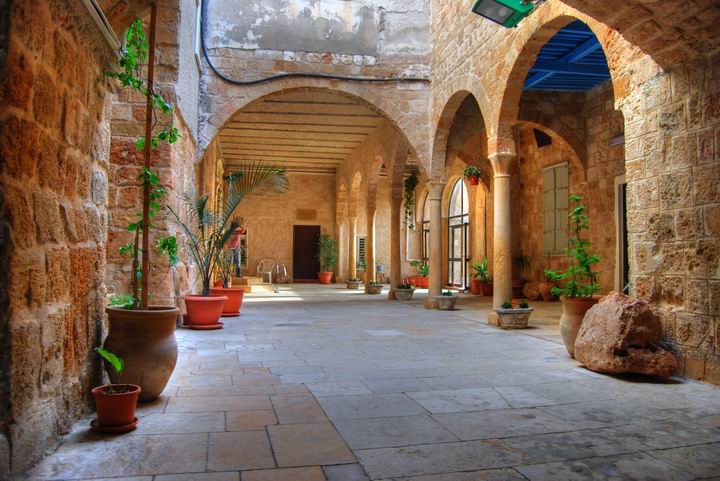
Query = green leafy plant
x=134 y=58
x=524 y=304
x=410 y=184
x=361 y=264
x=354 y=279
x=373 y=283
x=327 y=252
x=208 y=231
x=118 y=366
x=481 y=271
x=552 y=276
x=448 y=293
x=506 y=304
x=225 y=266
x=580 y=280
x=404 y=286
x=423 y=269
x=473 y=171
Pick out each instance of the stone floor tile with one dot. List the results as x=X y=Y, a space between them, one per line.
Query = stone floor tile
x=501 y=423
x=254 y=379
x=338 y=388
x=226 y=476
x=631 y=467
x=125 y=456
x=285 y=388
x=518 y=397
x=387 y=386
x=297 y=409
x=456 y=382
x=369 y=406
x=436 y=459
x=485 y=475
x=197 y=380
x=702 y=460
x=239 y=451
x=181 y=423
x=290 y=444
x=249 y=420
x=219 y=403
x=132 y=478
x=156 y=406
x=389 y=432
x=220 y=391
x=459 y=400
x=314 y=473
x=345 y=472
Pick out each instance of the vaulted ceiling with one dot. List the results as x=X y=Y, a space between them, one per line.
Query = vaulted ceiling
x=299 y=131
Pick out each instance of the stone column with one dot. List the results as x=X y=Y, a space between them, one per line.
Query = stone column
x=340 y=268
x=502 y=248
x=435 y=190
x=352 y=236
x=370 y=270
x=395 y=247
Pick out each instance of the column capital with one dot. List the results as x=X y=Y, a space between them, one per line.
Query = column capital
x=352 y=218
x=501 y=162
x=435 y=189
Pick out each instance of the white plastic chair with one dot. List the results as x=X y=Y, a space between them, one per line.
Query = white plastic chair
x=265 y=268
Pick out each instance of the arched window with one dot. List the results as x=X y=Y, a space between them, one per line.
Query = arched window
x=426 y=230
x=458 y=236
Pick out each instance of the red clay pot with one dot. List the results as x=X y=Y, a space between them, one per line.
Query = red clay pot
x=476 y=287
x=116 y=409
x=545 y=289
x=325 y=277
x=422 y=282
x=234 y=296
x=410 y=280
x=474 y=180
x=204 y=310
x=573 y=313
x=219 y=283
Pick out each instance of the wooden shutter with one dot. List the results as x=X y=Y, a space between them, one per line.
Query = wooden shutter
x=548 y=196
x=360 y=249
x=561 y=206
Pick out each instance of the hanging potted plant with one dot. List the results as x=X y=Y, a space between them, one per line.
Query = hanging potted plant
x=115 y=403
x=409 y=187
x=473 y=174
x=514 y=316
x=208 y=231
x=580 y=281
x=546 y=286
x=141 y=333
x=404 y=292
x=446 y=301
x=328 y=256
x=481 y=283
x=422 y=278
x=225 y=270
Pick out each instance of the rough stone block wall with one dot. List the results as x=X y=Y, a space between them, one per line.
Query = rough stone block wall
x=55 y=147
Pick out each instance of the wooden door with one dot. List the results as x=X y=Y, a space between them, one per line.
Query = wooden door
x=306 y=264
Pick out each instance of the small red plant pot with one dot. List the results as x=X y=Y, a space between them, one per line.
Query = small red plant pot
x=204 y=310
x=234 y=299
x=423 y=282
x=325 y=277
x=474 y=180
x=116 y=409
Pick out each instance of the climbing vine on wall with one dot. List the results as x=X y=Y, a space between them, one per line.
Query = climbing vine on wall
x=410 y=184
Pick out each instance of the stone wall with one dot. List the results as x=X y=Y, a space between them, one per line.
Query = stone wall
x=54 y=144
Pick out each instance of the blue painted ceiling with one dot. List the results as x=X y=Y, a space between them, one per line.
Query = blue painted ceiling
x=572 y=61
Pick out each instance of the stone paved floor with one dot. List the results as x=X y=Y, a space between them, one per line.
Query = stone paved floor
x=321 y=383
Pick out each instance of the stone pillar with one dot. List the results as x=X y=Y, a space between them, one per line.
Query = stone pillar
x=395 y=247
x=370 y=270
x=502 y=248
x=340 y=268
x=435 y=190
x=352 y=236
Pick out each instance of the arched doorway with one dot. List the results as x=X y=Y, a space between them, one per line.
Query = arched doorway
x=458 y=236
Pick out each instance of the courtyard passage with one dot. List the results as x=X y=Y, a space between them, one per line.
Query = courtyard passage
x=321 y=383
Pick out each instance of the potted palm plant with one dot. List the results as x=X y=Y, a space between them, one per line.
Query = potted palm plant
x=473 y=174
x=446 y=301
x=481 y=284
x=225 y=270
x=208 y=231
x=421 y=279
x=328 y=256
x=404 y=292
x=514 y=317
x=579 y=279
x=115 y=403
x=141 y=333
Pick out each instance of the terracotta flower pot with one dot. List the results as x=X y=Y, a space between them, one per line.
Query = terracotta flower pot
x=411 y=280
x=325 y=277
x=204 y=311
x=476 y=287
x=422 y=282
x=116 y=410
x=234 y=299
x=574 y=309
x=218 y=283
x=474 y=179
x=145 y=340
x=545 y=289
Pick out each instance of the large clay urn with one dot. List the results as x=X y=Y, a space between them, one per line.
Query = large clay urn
x=574 y=309
x=145 y=340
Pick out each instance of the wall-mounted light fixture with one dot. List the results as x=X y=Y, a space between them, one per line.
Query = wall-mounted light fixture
x=507 y=13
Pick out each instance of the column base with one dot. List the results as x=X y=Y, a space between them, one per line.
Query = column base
x=493 y=319
x=430 y=302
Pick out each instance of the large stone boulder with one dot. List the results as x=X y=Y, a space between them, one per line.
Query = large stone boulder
x=620 y=335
